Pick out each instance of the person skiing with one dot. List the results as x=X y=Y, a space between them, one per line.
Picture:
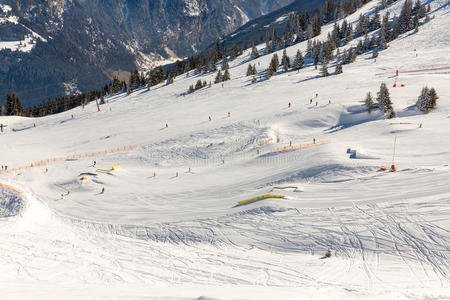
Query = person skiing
x=314 y=140
x=167 y=125
x=310 y=101
x=229 y=114
x=103 y=190
x=94 y=163
x=289 y=104
x=210 y=118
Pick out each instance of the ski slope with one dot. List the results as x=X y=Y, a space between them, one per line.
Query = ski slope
x=168 y=224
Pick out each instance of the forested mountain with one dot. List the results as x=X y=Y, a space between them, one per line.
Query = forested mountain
x=52 y=48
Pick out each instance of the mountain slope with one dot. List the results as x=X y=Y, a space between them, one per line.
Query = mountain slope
x=167 y=223
x=68 y=45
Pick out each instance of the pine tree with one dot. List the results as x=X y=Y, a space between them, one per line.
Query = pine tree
x=384 y=100
x=274 y=63
x=382 y=41
x=360 y=48
x=198 y=85
x=191 y=89
x=375 y=52
x=169 y=78
x=338 y=68
x=324 y=68
x=433 y=98
x=386 y=27
x=251 y=70
x=226 y=75
x=285 y=61
x=375 y=23
x=234 y=51
x=369 y=102
x=395 y=28
x=219 y=77
x=255 y=53
x=427 y=99
x=405 y=17
x=298 y=63
x=269 y=47
x=254 y=79
x=225 y=63
x=269 y=73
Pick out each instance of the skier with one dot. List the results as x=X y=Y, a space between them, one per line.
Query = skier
x=317 y=95
x=94 y=163
x=210 y=118
x=317 y=103
x=103 y=190
x=289 y=104
x=329 y=101
x=310 y=101
x=167 y=125
x=314 y=140
x=6 y=168
x=229 y=114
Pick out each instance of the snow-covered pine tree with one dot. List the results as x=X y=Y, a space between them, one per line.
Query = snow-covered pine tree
x=384 y=99
x=191 y=89
x=298 y=63
x=269 y=47
x=369 y=102
x=360 y=48
x=286 y=61
x=405 y=17
x=338 y=68
x=255 y=53
x=324 y=68
x=274 y=63
x=423 y=99
x=395 y=28
x=433 y=98
x=249 y=70
x=375 y=52
x=169 y=78
x=352 y=55
x=382 y=44
x=375 y=23
x=386 y=27
x=219 y=77
x=225 y=63
x=427 y=99
x=309 y=48
x=226 y=75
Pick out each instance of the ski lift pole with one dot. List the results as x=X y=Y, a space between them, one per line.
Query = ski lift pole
x=96 y=101
x=393 y=168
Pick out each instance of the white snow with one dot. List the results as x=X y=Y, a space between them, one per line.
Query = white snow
x=181 y=237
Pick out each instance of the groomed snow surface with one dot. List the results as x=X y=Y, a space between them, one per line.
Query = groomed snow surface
x=183 y=237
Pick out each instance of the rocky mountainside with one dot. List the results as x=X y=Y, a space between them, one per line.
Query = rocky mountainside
x=49 y=48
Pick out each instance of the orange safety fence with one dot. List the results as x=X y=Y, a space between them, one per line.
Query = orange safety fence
x=57 y=159
x=8 y=187
x=300 y=146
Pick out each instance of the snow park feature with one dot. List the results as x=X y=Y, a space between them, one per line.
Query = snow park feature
x=140 y=231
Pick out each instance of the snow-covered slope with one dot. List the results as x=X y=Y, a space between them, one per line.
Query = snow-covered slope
x=168 y=223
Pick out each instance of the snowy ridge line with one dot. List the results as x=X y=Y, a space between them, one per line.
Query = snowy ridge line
x=57 y=159
x=300 y=146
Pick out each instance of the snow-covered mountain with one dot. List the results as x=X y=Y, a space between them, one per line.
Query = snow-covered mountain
x=146 y=198
x=52 y=47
